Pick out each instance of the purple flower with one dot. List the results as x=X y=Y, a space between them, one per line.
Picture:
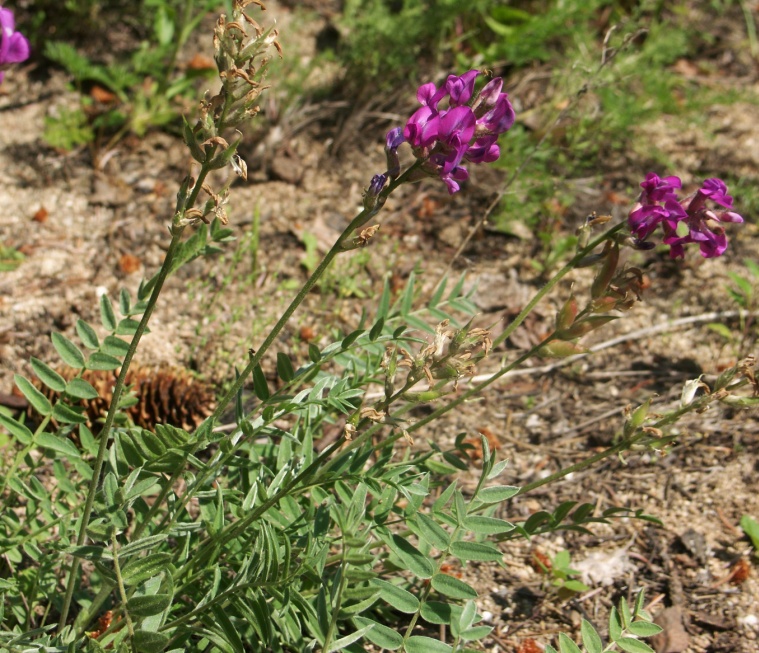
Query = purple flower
x=484 y=150
x=716 y=191
x=394 y=138
x=461 y=88
x=14 y=48
x=377 y=184
x=466 y=130
x=656 y=189
x=393 y=141
x=685 y=221
x=421 y=128
x=644 y=220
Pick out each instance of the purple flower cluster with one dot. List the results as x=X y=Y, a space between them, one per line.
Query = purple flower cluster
x=683 y=221
x=14 y=48
x=465 y=131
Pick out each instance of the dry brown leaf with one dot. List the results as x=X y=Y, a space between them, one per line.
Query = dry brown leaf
x=129 y=263
x=102 y=95
x=201 y=62
x=307 y=333
x=529 y=645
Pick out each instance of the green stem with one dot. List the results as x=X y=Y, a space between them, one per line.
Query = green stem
x=163 y=273
x=255 y=359
x=507 y=332
x=622 y=445
x=338 y=598
x=362 y=218
x=232 y=529
x=571 y=265
x=120 y=583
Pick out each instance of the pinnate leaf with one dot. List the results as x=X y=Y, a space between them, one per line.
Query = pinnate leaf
x=146 y=641
x=436 y=612
x=497 y=493
x=432 y=532
x=87 y=335
x=590 y=638
x=138 y=570
x=59 y=445
x=397 y=597
x=644 y=629
x=128 y=327
x=260 y=386
x=36 y=399
x=144 y=606
x=380 y=635
x=66 y=414
x=67 y=350
x=487 y=525
x=476 y=632
x=566 y=645
x=632 y=645
x=107 y=316
x=476 y=551
x=340 y=644
x=21 y=432
x=81 y=389
x=615 y=625
x=47 y=375
x=453 y=587
x=103 y=362
x=411 y=557
x=419 y=644
x=114 y=346
x=285 y=369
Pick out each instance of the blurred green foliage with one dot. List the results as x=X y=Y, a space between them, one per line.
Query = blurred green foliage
x=387 y=41
x=10 y=258
x=143 y=85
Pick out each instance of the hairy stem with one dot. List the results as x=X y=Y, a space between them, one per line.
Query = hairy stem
x=571 y=265
x=163 y=273
x=120 y=583
x=105 y=433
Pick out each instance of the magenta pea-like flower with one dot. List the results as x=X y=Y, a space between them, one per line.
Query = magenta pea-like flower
x=14 y=48
x=690 y=220
x=447 y=138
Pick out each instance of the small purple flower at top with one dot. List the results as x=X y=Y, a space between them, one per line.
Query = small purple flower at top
x=444 y=138
x=683 y=221
x=14 y=48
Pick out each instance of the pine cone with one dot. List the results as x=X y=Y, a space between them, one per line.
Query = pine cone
x=165 y=395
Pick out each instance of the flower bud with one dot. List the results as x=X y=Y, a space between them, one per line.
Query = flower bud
x=375 y=188
x=560 y=349
x=566 y=316
x=606 y=273
x=393 y=141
